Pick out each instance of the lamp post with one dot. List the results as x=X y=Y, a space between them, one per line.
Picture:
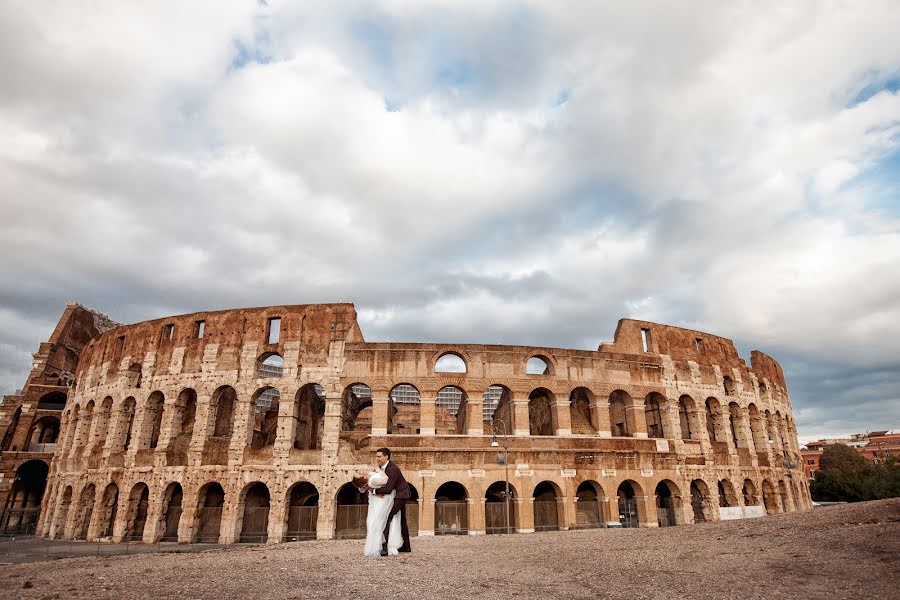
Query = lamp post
x=504 y=460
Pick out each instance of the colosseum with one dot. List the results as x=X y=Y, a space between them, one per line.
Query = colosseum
x=246 y=425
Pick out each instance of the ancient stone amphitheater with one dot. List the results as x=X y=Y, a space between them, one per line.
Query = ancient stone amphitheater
x=246 y=425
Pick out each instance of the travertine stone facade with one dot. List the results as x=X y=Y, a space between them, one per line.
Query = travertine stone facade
x=247 y=424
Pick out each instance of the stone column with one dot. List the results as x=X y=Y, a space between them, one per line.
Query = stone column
x=568 y=512
x=202 y=430
x=189 y=505
x=241 y=432
x=563 y=418
x=646 y=507
x=277 y=517
x=611 y=509
x=526 y=518
x=634 y=416
x=426 y=413
x=476 y=515
x=600 y=418
x=426 y=517
x=475 y=415
x=381 y=402
x=153 y=529
x=171 y=419
x=520 y=417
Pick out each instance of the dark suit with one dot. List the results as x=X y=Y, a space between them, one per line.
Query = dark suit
x=396 y=483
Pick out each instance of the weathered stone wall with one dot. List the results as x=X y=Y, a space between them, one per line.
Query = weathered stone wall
x=159 y=416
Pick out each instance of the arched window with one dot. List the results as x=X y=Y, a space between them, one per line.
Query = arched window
x=271 y=366
x=450 y=363
x=653 y=415
x=537 y=365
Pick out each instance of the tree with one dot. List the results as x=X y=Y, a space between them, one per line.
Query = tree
x=845 y=475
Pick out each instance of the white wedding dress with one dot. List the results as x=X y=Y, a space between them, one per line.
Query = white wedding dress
x=379 y=508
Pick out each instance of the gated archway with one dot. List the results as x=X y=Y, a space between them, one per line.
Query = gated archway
x=497 y=505
x=136 y=518
x=254 y=524
x=208 y=520
x=628 y=511
x=546 y=506
x=700 y=501
x=302 y=513
x=170 y=516
x=352 y=507
x=589 y=505
x=451 y=509
x=24 y=500
x=667 y=501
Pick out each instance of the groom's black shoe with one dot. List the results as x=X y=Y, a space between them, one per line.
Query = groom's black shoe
x=404 y=549
x=384 y=553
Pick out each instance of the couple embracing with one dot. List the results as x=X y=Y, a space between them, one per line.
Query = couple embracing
x=386 y=529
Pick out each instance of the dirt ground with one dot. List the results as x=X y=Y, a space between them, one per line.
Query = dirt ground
x=849 y=551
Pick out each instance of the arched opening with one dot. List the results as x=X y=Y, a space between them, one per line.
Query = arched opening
x=770 y=500
x=542 y=412
x=685 y=408
x=83 y=428
x=783 y=496
x=23 y=505
x=52 y=401
x=405 y=409
x=14 y=423
x=712 y=416
x=170 y=516
x=653 y=414
x=537 y=365
x=583 y=420
x=749 y=492
x=501 y=514
x=618 y=419
x=264 y=418
x=222 y=407
x=356 y=408
x=82 y=520
x=129 y=410
x=136 y=518
x=43 y=435
x=63 y=511
x=153 y=416
x=700 y=501
x=270 y=366
x=208 y=520
x=667 y=500
x=108 y=510
x=103 y=420
x=589 y=505
x=255 y=522
x=497 y=405
x=728 y=384
x=727 y=495
x=450 y=411
x=352 y=508
x=451 y=509
x=546 y=507
x=309 y=415
x=450 y=362
x=185 y=411
x=302 y=512
x=627 y=499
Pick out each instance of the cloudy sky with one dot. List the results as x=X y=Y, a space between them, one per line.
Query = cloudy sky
x=497 y=172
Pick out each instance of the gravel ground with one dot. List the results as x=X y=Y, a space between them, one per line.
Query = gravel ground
x=848 y=551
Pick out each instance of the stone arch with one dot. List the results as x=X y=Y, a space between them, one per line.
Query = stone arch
x=172 y=506
x=263 y=428
x=85 y=510
x=713 y=415
x=497 y=505
x=183 y=417
x=351 y=507
x=451 y=509
x=207 y=526
x=23 y=504
x=450 y=362
x=701 y=504
x=153 y=417
x=751 y=498
x=62 y=511
x=589 y=500
x=498 y=406
x=138 y=507
x=450 y=412
x=302 y=512
x=14 y=424
x=542 y=417
x=654 y=406
x=627 y=495
x=43 y=433
x=727 y=496
x=686 y=419
x=584 y=421
x=405 y=409
x=356 y=408
x=108 y=508
x=222 y=405
x=728 y=385
x=538 y=364
x=309 y=417
x=253 y=504
x=770 y=499
x=546 y=496
x=270 y=365
x=620 y=419
x=668 y=503
x=52 y=401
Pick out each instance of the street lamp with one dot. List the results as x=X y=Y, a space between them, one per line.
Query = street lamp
x=502 y=459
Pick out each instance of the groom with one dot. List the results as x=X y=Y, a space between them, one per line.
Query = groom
x=398 y=483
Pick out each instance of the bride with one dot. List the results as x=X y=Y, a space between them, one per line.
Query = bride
x=379 y=508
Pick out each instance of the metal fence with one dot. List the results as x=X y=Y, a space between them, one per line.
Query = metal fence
x=451 y=518
x=495 y=520
x=665 y=512
x=209 y=522
x=628 y=514
x=20 y=520
x=350 y=521
x=588 y=514
x=301 y=524
x=546 y=515
x=255 y=527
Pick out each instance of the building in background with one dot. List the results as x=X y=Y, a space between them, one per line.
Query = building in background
x=876 y=446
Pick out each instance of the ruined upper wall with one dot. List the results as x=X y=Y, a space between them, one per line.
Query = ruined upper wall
x=311 y=327
x=766 y=366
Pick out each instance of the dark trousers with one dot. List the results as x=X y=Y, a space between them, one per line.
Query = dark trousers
x=399 y=506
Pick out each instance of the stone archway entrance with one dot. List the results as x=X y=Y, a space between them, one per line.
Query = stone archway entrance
x=628 y=512
x=23 y=505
